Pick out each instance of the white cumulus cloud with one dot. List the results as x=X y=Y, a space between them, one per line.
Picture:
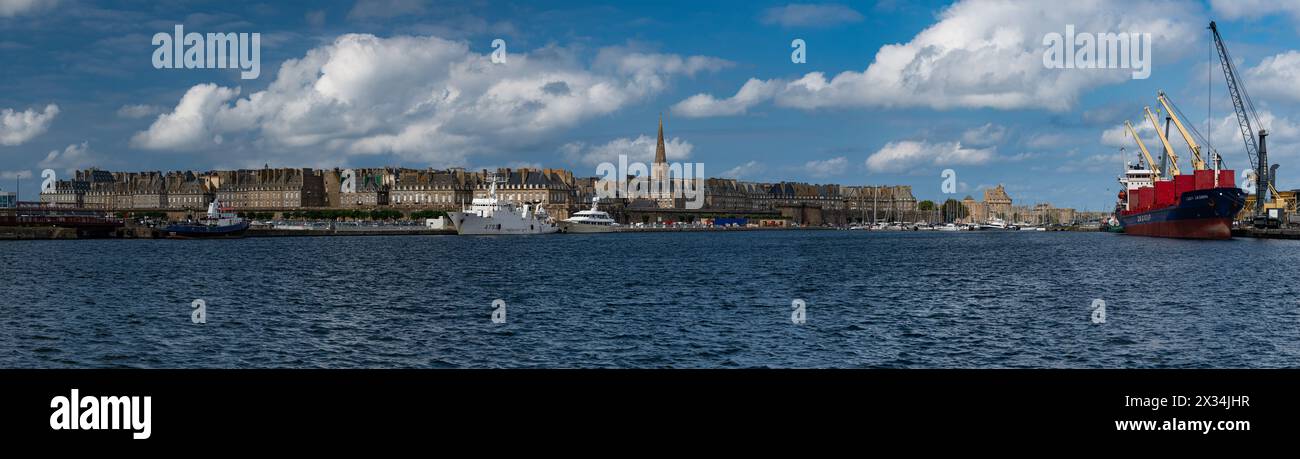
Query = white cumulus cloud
x=907 y=155
x=75 y=156
x=138 y=110
x=826 y=167
x=754 y=91
x=640 y=149
x=983 y=136
x=1283 y=139
x=17 y=127
x=1276 y=75
x=191 y=124
x=422 y=98
x=982 y=54
x=11 y=8
x=744 y=171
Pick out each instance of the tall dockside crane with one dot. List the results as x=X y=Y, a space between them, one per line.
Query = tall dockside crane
x=1245 y=108
x=1146 y=154
x=1163 y=159
x=1169 y=149
x=1197 y=162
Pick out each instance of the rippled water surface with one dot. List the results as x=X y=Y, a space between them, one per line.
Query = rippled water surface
x=924 y=299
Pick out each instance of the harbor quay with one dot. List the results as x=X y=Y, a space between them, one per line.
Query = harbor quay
x=285 y=201
x=416 y=195
x=280 y=193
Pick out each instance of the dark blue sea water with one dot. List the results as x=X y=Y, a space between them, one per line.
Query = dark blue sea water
x=983 y=299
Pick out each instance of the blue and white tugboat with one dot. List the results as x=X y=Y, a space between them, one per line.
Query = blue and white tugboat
x=216 y=224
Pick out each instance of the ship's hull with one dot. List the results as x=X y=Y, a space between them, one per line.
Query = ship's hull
x=576 y=227
x=183 y=231
x=1200 y=214
x=472 y=224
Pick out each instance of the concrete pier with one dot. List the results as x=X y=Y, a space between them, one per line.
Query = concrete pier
x=47 y=232
x=259 y=232
x=1267 y=233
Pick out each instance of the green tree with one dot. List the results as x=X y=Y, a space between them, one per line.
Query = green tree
x=423 y=214
x=926 y=205
x=954 y=210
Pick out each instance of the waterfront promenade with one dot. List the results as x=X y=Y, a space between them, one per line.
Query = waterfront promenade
x=145 y=232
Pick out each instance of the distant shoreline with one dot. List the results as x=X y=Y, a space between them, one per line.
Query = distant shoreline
x=57 y=233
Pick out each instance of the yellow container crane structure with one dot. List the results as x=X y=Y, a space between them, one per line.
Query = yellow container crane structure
x=1169 y=149
x=1146 y=154
x=1197 y=162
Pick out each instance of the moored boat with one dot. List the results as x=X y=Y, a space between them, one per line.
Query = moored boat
x=215 y=224
x=1200 y=205
x=494 y=216
x=589 y=221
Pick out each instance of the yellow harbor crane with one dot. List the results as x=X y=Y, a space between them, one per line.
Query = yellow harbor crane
x=1146 y=154
x=1197 y=162
x=1169 y=149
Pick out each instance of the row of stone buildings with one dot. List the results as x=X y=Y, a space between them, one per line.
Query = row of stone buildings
x=997 y=204
x=811 y=203
x=273 y=189
x=285 y=189
x=557 y=190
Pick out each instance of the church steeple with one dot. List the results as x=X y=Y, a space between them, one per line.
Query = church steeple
x=660 y=153
x=661 y=186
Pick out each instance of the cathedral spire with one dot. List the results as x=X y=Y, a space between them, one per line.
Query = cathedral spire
x=661 y=154
x=661 y=188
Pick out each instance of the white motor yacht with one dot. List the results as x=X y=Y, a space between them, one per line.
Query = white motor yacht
x=590 y=221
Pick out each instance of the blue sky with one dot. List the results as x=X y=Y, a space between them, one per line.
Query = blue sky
x=892 y=92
